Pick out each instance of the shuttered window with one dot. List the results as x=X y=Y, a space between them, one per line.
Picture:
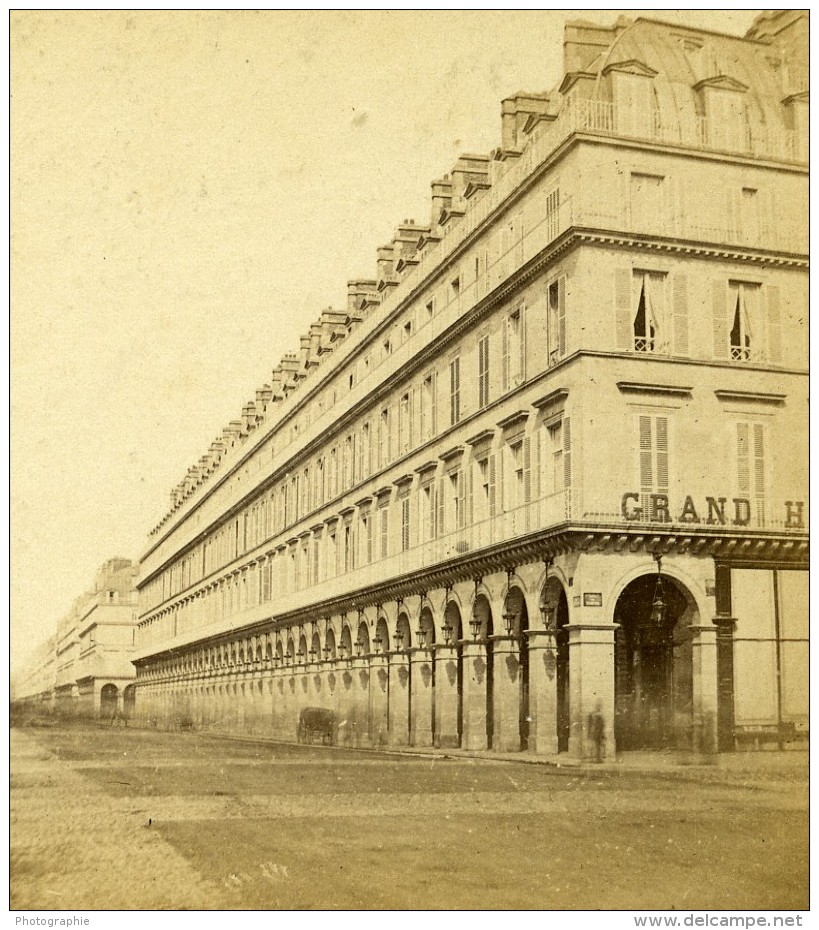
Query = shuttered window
x=483 y=372
x=514 y=348
x=653 y=446
x=739 y=323
x=405 y=524
x=454 y=391
x=556 y=320
x=384 y=517
x=429 y=426
x=751 y=468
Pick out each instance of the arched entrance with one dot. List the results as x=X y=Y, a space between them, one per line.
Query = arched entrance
x=108 y=701
x=653 y=669
x=129 y=701
x=516 y=619
x=454 y=631
x=556 y=606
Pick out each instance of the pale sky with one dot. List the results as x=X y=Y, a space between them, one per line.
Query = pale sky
x=189 y=191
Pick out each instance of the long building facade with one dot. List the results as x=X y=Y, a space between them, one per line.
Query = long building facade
x=542 y=483
x=85 y=668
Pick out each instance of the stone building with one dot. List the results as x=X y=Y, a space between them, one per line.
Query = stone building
x=85 y=669
x=542 y=483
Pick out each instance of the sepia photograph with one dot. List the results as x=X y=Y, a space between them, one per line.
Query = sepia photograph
x=409 y=463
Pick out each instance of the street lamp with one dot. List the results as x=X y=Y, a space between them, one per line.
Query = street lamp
x=446 y=629
x=399 y=640
x=377 y=642
x=658 y=607
x=421 y=633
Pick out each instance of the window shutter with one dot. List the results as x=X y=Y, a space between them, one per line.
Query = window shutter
x=522 y=324
x=411 y=424
x=661 y=446
x=434 y=405
x=743 y=460
x=470 y=481
x=646 y=469
x=505 y=352
x=527 y=469
x=461 y=500
x=561 y=315
x=622 y=299
x=567 y=463
x=774 y=324
x=680 y=310
x=441 y=501
x=493 y=503
x=720 y=319
x=759 y=472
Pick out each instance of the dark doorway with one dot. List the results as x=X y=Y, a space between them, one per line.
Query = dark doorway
x=562 y=672
x=653 y=682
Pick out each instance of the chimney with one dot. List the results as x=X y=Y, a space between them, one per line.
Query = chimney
x=385 y=264
x=441 y=197
x=360 y=293
x=248 y=418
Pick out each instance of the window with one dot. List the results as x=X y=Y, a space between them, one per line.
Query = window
x=514 y=348
x=552 y=213
x=455 y=287
x=430 y=308
x=404 y=422
x=405 y=524
x=367 y=527
x=365 y=466
x=483 y=372
x=751 y=469
x=743 y=299
x=554 y=480
x=427 y=513
x=516 y=497
x=653 y=463
x=316 y=559
x=454 y=391
x=331 y=555
x=428 y=407
x=384 y=438
x=387 y=346
x=556 y=320
x=384 y=517
x=407 y=330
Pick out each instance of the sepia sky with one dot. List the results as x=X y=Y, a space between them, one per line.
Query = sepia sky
x=189 y=191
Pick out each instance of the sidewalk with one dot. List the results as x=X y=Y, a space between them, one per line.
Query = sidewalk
x=793 y=763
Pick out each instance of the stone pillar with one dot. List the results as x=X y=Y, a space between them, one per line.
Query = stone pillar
x=361 y=692
x=591 y=686
x=399 y=704
x=379 y=699
x=423 y=698
x=542 y=692
x=446 y=697
x=506 y=737
x=705 y=687
x=474 y=696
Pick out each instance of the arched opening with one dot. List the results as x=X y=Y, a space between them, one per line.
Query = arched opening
x=516 y=611
x=346 y=645
x=129 y=701
x=482 y=615
x=315 y=647
x=382 y=636
x=556 y=619
x=108 y=701
x=302 y=653
x=454 y=629
x=426 y=626
x=653 y=669
x=362 y=642
x=403 y=640
x=330 y=645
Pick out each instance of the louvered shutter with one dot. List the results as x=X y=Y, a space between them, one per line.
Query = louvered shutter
x=743 y=460
x=411 y=425
x=719 y=312
x=493 y=497
x=441 y=505
x=461 y=499
x=759 y=472
x=527 y=480
x=522 y=323
x=505 y=352
x=661 y=451
x=567 y=463
x=561 y=315
x=774 y=324
x=470 y=483
x=731 y=212
x=434 y=404
x=680 y=313
x=622 y=300
x=646 y=465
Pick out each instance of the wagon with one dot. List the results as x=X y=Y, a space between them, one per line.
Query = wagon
x=317 y=722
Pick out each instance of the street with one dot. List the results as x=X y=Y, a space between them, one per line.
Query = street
x=137 y=819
